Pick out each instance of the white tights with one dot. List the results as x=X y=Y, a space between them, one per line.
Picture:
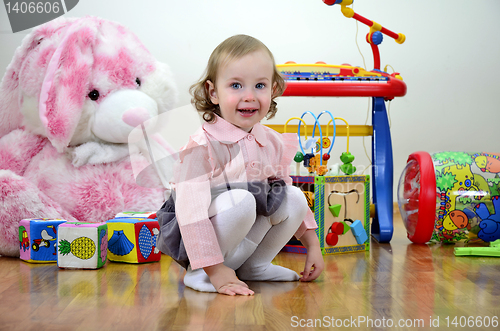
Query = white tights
x=248 y=242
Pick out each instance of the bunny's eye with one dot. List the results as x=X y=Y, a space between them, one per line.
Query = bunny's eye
x=94 y=95
x=138 y=81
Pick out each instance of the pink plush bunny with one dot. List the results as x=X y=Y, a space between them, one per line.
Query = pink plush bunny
x=73 y=92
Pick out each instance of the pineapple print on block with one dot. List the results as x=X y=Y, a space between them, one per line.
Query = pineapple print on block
x=133 y=240
x=82 y=245
x=37 y=239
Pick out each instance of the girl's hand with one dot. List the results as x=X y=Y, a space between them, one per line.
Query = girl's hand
x=314 y=260
x=314 y=264
x=225 y=281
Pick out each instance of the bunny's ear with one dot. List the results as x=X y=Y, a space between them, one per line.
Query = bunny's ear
x=10 y=114
x=22 y=72
x=65 y=85
x=10 y=88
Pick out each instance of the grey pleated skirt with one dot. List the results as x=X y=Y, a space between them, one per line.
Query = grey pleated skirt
x=268 y=198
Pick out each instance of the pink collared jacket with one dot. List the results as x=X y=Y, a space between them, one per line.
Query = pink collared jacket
x=220 y=153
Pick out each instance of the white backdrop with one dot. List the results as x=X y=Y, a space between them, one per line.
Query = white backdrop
x=450 y=60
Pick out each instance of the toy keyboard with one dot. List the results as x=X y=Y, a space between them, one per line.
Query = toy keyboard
x=322 y=79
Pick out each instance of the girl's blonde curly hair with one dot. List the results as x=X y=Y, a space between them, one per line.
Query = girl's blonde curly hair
x=232 y=48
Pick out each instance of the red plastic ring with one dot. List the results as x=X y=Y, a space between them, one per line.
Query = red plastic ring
x=426 y=199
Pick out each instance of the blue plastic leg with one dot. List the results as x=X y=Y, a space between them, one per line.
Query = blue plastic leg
x=382 y=172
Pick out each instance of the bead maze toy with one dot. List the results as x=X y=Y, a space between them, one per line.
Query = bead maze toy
x=315 y=160
x=336 y=234
x=326 y=80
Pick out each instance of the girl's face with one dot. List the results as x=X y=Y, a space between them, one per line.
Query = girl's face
x=244 y=89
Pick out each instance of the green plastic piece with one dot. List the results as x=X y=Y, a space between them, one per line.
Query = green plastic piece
x=347 y=167
x=299 y=157
x=493 y=250
x=346 y=157
x=335 y=210
x=346 y=227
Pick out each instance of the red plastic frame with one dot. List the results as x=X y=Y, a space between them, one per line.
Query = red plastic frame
x=427 y=198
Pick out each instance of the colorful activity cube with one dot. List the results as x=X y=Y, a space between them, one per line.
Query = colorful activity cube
x=38 y=238
x=82 y=245
x=133 y=240
x=341 y=206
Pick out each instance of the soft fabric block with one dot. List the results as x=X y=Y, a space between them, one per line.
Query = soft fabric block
x=133 y=240
x=82 y=245
x=38 y=238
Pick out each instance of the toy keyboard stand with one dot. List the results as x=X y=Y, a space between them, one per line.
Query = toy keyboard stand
x=324 y=80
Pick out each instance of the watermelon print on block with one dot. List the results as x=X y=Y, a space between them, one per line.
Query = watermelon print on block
x=38 y=238
x=133 y=240
x=82 y=245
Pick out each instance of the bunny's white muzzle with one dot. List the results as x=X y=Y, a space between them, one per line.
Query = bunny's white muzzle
x=126 y=109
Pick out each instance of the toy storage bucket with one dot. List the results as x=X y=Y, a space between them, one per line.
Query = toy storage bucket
x=451 y=196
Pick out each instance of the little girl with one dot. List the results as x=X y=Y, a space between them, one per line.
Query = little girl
x=233 y=206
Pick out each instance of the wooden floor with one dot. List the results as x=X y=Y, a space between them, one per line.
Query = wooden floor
x=394 y=284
